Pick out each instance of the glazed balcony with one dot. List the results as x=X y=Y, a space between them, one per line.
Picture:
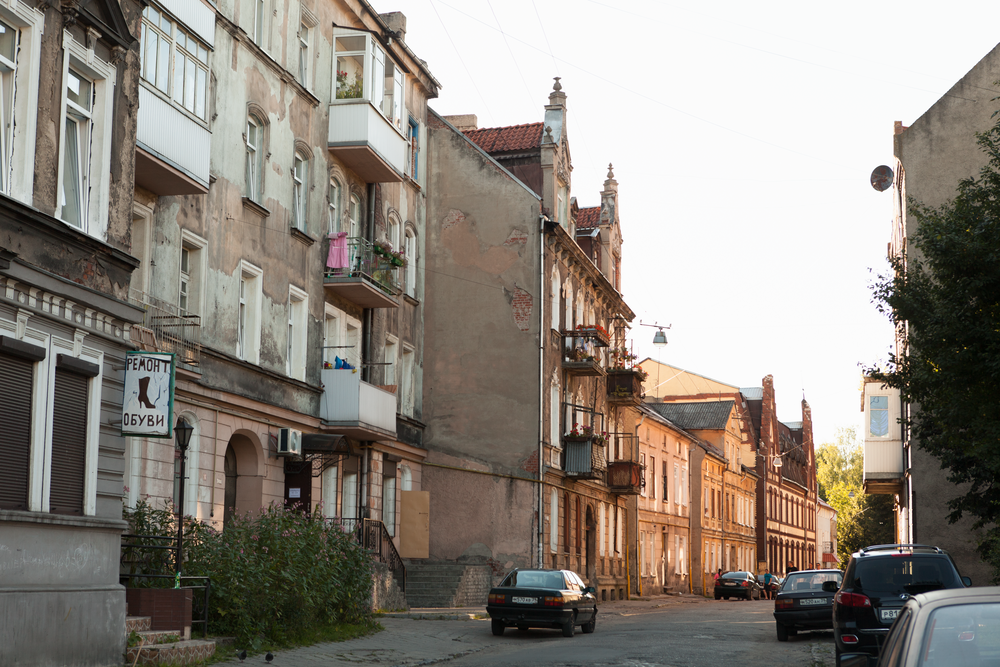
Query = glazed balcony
x=171 y=148
x=363 y=274
x=352 y=407
x=884 y=464
x=366 y=141
x=624 y=386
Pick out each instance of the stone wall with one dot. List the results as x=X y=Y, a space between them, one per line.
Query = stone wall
x=386 y=595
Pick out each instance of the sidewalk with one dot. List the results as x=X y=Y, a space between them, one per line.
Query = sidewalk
x=405 y=643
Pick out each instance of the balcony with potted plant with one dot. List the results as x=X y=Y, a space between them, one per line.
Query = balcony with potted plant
x=366 y=273
x=582 y=350
x=624 y=378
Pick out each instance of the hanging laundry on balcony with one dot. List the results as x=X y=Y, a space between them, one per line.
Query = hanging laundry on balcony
x=338 y=257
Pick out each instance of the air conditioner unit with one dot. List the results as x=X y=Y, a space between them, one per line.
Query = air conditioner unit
x=289 y=442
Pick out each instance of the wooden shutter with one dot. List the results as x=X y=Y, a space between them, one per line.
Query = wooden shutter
x=69 y=443
x=15 y=433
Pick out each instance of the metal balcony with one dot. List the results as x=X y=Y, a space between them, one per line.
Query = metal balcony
x=369 y=279
x=366 y=141
x=582 y=353
x=166 y=328
x=352 y=407
x=626 y=476
x=624 y=386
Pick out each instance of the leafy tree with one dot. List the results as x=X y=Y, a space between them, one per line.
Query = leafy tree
x=862 y=519
x=946 y=293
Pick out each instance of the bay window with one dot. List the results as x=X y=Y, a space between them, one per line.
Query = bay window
x=365 y=71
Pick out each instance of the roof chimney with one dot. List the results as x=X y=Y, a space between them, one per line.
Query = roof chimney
x=464 y=122
x=397 y=23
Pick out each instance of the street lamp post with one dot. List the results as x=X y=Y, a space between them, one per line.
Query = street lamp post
x=182 y=433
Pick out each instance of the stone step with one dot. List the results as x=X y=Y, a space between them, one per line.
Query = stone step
x=137 y=623
x=149 y=637
x=187 y=652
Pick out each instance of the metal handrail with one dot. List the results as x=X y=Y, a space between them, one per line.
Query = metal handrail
x=375 y=537
x=366 y=263
x=129 y=576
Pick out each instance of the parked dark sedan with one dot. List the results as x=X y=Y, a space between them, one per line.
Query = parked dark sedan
x=802 y=604
x=738 y=585
x=543 y=599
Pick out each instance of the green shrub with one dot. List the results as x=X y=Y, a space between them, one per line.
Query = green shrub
x=272 y=572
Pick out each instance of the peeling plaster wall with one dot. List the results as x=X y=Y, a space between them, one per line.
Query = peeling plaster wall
x=481 y=363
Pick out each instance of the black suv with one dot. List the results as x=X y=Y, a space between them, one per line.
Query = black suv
x=877 y=582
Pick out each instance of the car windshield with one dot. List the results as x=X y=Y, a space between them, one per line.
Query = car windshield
x=963 y=635
x=534 y=579
x=810 y=581
x=899 y=575
x=734 y=575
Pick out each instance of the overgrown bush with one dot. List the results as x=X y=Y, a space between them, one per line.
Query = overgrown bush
x=272 y=572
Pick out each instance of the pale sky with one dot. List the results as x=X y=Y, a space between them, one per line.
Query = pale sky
x=743 y=135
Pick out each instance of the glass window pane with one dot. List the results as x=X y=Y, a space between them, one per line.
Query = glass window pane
x=350 y=76
x=78 y=90
x=200 y=93
x=879 y=402
x=162 y=66
x=350 y=43
x=178 y=77
x=165 y=25
x=71 y=174
x=154 y=15
x=202 y=54
x=189 y=76
x=8 y=41
x=151 y=37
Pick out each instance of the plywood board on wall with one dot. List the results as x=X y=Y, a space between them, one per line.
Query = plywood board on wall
x=415 y=524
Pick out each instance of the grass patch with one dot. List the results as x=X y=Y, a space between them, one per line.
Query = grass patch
x=321 y=634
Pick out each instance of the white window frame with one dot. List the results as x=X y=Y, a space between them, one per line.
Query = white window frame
x=554 y=290
x=408 y=380
x=390 y=352
x=259 y=14
x=95 y=169
x=553 y=521
x=141 y=249
x=410 y=253
x=254 y=159
x=17 y=144
x=389 y=504
x=300 y=170
x=391 y=106
x=189 y=94
x=249 y=324
x=303 y=44
x=298 y=318
x=602 y=518
x=333 y=201
x=328 y=487
x=194 y=244
x=345 y=327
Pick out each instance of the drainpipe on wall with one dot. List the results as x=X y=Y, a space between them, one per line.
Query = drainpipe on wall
x=541 y=385
x=635 y=535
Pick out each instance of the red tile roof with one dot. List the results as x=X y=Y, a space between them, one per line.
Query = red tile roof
x=504 y=139
x=588 y=218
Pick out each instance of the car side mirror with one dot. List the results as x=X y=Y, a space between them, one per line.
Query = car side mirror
x=830 y=587
x=967 y=581
x=591 y=590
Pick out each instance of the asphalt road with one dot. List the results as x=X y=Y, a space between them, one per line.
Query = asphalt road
x=676 y=632
x=709 y=634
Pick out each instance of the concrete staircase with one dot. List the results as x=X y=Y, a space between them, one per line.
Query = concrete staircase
x=447 y=584
x=159 y=647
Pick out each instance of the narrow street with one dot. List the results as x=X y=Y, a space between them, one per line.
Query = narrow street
x=693 y=632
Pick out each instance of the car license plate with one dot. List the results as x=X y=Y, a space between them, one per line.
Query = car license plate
x=729 y=583
x=520 y=600
x=888 y=614
x=812 y=601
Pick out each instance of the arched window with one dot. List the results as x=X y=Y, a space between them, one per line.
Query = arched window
x=354 y=217
x=392 y=232
x=406 y=479
x=254 y=158
x=579 y=308
x=299 y=170
x=410 y=252
x=568 y=294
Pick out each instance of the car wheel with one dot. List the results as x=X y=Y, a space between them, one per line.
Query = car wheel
x=792 y=632
x=497 y=627
x=782 y=632
x=590 y=625
x=569 y=627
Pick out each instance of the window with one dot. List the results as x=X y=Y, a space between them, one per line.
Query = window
x=406 y=479
x=20 y=44
x=304 y=54
x=683 y=491
x=407 y=382
x=354 y=217
x=568 y=294
x=642 y=551
x=76 y=148
x=299 y=192
x=677 y=484
x=413 y=164
x=410 y=252
x=642 y=464
x=878 y=416
x=707 y=501
x=349 y=499
x=393 y=232
x=365 y=71
x=602 y=518
x=254 y=141
x=16 y=382
x=142 y=224
x=554 y=411
x=258 y=23
x=298 y=311
x=389 y=372
x=652 y=477
x=553 y=521
x=389 y=499
x=618 y=528
x=167 y=46
x=190 y=278
x=334 y=203
x=666 y=485
x=554 y=293
x=329 y=487
x=248 y=324
x=342 y=337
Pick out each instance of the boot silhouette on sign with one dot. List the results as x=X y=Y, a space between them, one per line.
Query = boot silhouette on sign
x=143 y=396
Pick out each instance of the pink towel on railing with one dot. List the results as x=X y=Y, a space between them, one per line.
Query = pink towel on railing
x=338 y=258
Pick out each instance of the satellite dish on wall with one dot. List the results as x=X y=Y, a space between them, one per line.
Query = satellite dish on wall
x=882 y=178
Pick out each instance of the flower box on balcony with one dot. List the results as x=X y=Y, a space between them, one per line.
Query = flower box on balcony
x=578 y=361
x=625 y=477
x=625 y=385
x=596 y=333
